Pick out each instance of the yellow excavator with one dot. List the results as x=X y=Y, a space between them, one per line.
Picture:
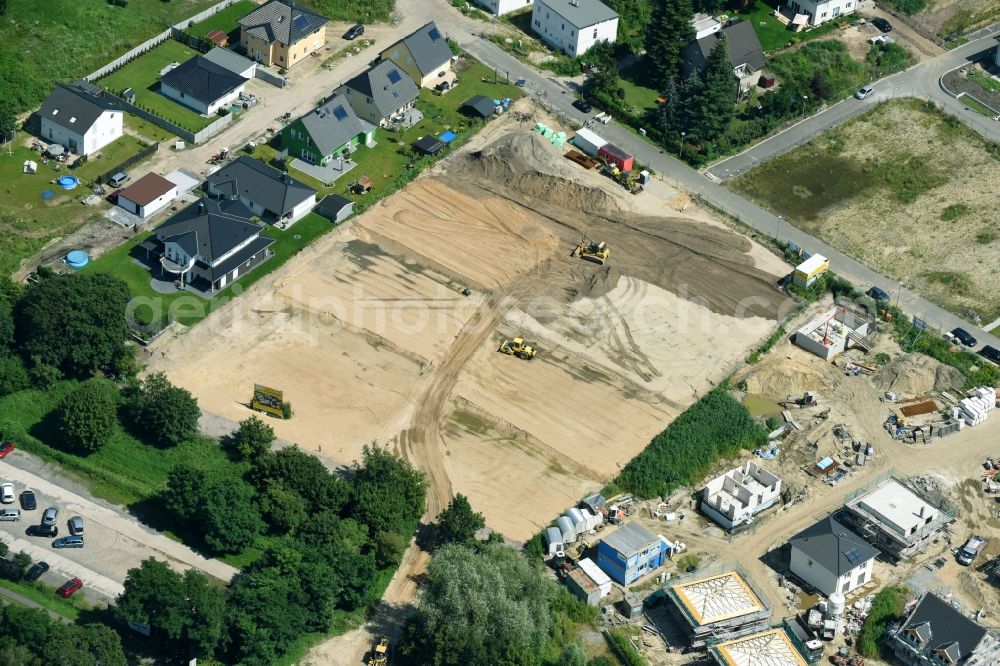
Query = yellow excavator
x=591 y=251
x=380 y=654
x=518 y=348
x=625 y=178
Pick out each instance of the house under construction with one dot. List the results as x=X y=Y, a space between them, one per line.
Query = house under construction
x=835 y=332
x=773 y=647
x=895 y=519
x=717 y=608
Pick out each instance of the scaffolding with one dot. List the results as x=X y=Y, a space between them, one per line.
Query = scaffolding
x=719 y=607
x=768 y=648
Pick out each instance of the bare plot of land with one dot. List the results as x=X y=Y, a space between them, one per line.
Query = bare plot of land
x=908 y=191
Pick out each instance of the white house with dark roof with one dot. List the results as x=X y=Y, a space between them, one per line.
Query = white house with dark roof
x=381 y=93
x=574 y=26
x=821 y=11
x=209 y=244
x=425 y=55
x=742 y=47
x=268 y=193
x=330 y=131
x=80 y=120
x=281 y=34
x=202 y=85
x=935 y=633
x=831 y=558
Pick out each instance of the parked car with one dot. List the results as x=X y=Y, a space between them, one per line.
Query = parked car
x=877 y=294
x=864 y=92
x=971 y=550
x=6 y=448
x=882 y=24
x=7 y=493
x=964 y=337
x=36 y=571
x=75 y=525
x=69 y=587
x=68 y=542
x=990 y=353
x=10 y=514
x=50 y=516
x=118 y=179
x=582 y=105
x=354 y=32
x=28 y=501
x=47 y=531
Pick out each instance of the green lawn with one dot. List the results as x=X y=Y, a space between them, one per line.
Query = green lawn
x=46 y=597
x=144 y=128
x=226 y=21
x=976 y=106
x=985 y=81
x=639 y=92
x=188 y=309
x=142 y=76
x=110 y=156
x=775 y=35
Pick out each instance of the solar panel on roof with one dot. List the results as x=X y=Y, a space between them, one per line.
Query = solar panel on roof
x=394 y=76
x=339 y=112
x=434 y=34
x=854 y=556
x=301 y=22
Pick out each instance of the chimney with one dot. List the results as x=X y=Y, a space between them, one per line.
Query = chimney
x=201 y=206
x=922 y=511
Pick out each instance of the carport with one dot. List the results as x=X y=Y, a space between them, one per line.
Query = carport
x=479 y=106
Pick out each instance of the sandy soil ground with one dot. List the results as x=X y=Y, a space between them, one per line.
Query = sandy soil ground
x=944 y=243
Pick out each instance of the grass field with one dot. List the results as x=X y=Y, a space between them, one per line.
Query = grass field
x=974 y=104
x=46 y=597
x=775 y=35
x=142 y=76
x=927 y=179
x=226 y=21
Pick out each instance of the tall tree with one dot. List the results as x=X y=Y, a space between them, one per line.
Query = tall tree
x=229 y=516
x=604 y=80
x=389 y=493
x=88 y=416
x=253 y=438
x=167 y=414
x=669 y=31
x=713 y=102
x=303 y=473
x=75 y=322
x=458 y=523
x=633 y=21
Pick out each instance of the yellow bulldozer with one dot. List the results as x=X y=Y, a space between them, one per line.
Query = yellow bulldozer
x=380 y=653
x=591 y=251
x=518 y=348
x=625 y=178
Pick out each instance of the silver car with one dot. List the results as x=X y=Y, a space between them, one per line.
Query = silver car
x=76 y=525
x=50 y=516
x=10 y=514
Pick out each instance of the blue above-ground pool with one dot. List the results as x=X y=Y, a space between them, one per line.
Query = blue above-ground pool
x=68 y=182
x=448 y=136
x=77 y=259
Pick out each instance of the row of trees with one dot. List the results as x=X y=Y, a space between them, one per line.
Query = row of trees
x=326 y=540
x=29 y=637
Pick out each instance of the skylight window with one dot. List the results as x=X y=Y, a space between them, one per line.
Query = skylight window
x=301 y=22
x=394 y=76
x=854 y=556
x=55 y=112
x=73 y=119
x=434 y=34
x=339 y=112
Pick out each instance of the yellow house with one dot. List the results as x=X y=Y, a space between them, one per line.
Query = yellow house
x=425 y=56
x=280 y=34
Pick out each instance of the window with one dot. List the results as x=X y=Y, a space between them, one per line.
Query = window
x=73 y=119
x=823 y=16
x=595 y=33
x=563 y=26
x=810 y=562
x=537 y=23
x=845 y=588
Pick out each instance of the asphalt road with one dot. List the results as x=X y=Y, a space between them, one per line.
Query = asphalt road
x=559 y=97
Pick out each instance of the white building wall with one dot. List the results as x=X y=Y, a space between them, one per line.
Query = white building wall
x=821 y=11
x=106 y=129
x=201 y=107
x=303 y=209
x=158 y=204
x=825 y=581
x=562 y=35
x=501 y=7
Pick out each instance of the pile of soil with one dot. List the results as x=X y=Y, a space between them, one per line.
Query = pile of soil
x=916 y=374
x=781 y=376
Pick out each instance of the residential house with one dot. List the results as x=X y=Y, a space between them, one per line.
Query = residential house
x=146 y=196
x=937 y=634
x=717 y=607
x=425 y=55
x=574 y=26
x=268 y=193
x=821 y=11
x=381 y=93
x=831 y=558
x=281 y=34
x=333 y=130
x=209 y=244
x=79 y=119
x=232 y=61
x=735 y=497
x=202 y=85
x=631 y=552
x=742 y=46
x=501 y=7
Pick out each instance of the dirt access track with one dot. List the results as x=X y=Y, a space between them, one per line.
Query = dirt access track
x=370 y=337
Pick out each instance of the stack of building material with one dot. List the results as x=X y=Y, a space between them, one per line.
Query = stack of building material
x=974 y=409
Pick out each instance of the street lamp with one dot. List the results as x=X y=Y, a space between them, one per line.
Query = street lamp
x=680 y=155
x=777 y=224
x=804 y=99
x=897 y=293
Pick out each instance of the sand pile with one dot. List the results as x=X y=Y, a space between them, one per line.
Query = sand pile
x=916 y=374
x=780 y=377
x=534 y=167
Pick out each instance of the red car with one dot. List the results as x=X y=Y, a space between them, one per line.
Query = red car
x=6 y=448
x=69 y=587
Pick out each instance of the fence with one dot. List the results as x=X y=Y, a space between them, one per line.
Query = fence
x=156 y=40
x=268 y=77
x=135 y=159
x=191 y=137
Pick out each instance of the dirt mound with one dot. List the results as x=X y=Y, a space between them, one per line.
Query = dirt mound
x=916 y=374
x=526 y=162
x=782 y=378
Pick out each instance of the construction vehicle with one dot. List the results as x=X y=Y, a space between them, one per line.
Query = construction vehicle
x=518 y=348
x=380 y=653
x=808 y=399
x=591 y=251
x=625 y=178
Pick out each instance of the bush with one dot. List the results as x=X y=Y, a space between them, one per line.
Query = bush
x=715 y=426
x=627 y=652
x=88 y=416
x=887 y=605
x=168 y=415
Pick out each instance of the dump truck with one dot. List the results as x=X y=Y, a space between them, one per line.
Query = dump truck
x=591 y=251
x=517 y=347
x=971 y=550
x=380 y=653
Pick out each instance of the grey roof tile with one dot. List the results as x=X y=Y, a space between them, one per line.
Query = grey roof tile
x=582 y=14
x=429 y=48
x=209 y=229
x=203 y=80
x=68 y=102
x=949 y=630
x=333 y=124
x=833 y=546
x=387 y=85
x=282 y=21
x=264 y=185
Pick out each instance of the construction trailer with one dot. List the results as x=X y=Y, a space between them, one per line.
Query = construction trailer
x=612 y=154
x=810 y=270
x=834 y=333
x=717 y=608
x=895 y=519
x=583 y=586
x=588 y=142
x=773 y=647
x=805 y=639
x=595 y=574
x=631 y=552
x=554 y=541
x=734 y=498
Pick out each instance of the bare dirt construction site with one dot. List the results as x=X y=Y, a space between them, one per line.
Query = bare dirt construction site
x=371 y=338
x=926 y=179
